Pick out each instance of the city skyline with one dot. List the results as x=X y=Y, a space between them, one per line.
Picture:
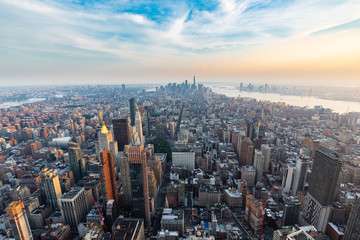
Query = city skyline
x=117 y=42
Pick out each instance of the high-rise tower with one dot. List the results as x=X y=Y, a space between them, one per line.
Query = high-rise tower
x=51 y=186
x=302 y=165
x=77 y=163
x=324 y=176
x=132 y=111
x=322 y=186
x=106 y=141
x=18 y=221
x=139 y=182
x=195 y=81
x=121 y=132
x=352 y=231
x=107 y=172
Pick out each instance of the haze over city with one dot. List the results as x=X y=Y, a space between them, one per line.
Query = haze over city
x=112 y=42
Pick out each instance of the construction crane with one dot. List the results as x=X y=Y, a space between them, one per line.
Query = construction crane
x=98 y=210
x=263 y=212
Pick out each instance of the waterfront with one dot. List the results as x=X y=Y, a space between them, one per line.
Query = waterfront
x=335 y=105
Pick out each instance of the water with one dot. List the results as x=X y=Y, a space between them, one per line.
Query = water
x=18 y=103
x=335 y=105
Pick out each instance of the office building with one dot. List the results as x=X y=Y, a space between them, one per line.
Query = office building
x=77 y=163
x=246 y=152
x=291 y=211
x=146 y=122
x=51 y=187
x=233 y=198
x=125 y=177
x=259 y=164
x=248 y=173
x=18 y=220
x=324 y=176
x=108 y=177
x=139 y=182
x=132 y=106
x=128 y=228
x=266 y=151
x=322 y=186
x=73 y=207
x=173 y=220
x=253 y=213
x=101 y=118
x=352 y=231
x=106 y=141
x=301 y=169
x=186 y=159
x=57 y=232
x=121 y=132
x=288 y=178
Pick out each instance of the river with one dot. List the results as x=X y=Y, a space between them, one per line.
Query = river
x=18 y=103
x=335 y=105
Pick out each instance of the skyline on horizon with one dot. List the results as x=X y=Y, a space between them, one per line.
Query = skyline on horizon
x=91 y=42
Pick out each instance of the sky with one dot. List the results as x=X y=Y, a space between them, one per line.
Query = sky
x=143 y=41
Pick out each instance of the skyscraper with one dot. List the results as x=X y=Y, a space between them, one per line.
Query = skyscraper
x=139 y=182
x=132 y=106
x=146 y=118
x=259 y=164
x=352 y=231
x=121 y=132
x=302 y=165
x=73 y=207
x=266 y=151
x=194 y=81
x=19 y=223
x=101 y=118
x=107 y=172
x=51 y=186
x=324 y=176
x=77 y=163
x=322 y=185
x=106 y=141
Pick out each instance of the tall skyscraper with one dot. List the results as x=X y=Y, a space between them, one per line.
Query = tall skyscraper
x=139 y=182
x=266 y=151
x=132 y=106
x=19 y=223
x=73 y=207
x=259 y=164
x=194 y=81
x=302 y=165
x=77 y=163
x=146 y=125
x=125 y=177
x=322 y=186
x=352 y=231
x=106 y=141
x=51 y=186
x=121 y=132
x=101 y=118
x=107 y=172
x=324 y=176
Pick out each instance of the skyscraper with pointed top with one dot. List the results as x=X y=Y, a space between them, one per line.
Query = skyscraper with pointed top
x=106 y=141
x=195 y=81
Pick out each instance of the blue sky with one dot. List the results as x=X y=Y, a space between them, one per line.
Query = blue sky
x=47 y=41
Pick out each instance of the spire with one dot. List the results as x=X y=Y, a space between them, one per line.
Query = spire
x=104 y=129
